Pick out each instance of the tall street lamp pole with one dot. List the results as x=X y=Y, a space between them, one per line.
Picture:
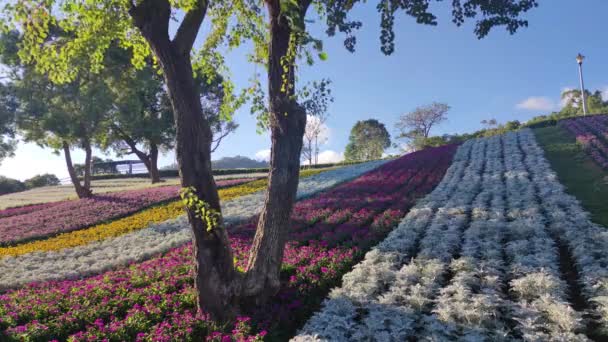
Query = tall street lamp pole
x=579 y=60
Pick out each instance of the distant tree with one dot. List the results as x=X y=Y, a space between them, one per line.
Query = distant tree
x=489 y=123
x=315 y=99
x=315 y=134
x=57 y=116
x=8 y=98
x=573 y=102
x=512 y=125
x=141 y=121
x=64 y=116
x=368 y=139
x=37 y=181
x=8 y=107
x=9 y=185
x=416 y=126
x=238 y=162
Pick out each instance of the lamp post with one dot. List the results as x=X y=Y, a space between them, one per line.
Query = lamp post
x=579 y=60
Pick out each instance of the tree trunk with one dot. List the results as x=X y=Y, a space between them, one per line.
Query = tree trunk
x=216 y=280
x=310 y=153
x=316 y=149
x=80 y=191
x=150 y=160
x=214 y=268
x=287 y=124
x=153 y=164
x=87 y=165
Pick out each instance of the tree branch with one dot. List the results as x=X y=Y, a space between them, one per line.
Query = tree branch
x=219 y=140
x=152 y=18
x=188 y=29
x=304 y=4
x=129 y=141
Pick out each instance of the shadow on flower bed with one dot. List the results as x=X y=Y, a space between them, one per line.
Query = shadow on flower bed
x=154 y=300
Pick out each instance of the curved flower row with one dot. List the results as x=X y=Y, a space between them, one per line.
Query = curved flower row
x=137 y=237
x=220 y=182
x=592 y=133
x=441 y=275
x=244 y=207
x=39 y=221
x=154 y=300
x=129 y=224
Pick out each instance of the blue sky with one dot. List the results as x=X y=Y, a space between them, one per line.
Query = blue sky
x=501 y=76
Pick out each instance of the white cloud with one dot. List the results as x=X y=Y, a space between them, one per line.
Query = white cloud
x=537 y=103
x=564 y=101
x=605 y=93
x=328 y=156
x=263 y=155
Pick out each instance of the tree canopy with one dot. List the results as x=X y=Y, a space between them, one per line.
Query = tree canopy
x=416 y=125
x=367 y=141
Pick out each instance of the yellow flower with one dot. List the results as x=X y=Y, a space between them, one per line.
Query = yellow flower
x=131 y=223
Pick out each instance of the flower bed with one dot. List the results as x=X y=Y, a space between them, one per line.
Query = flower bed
x=480 y=258
x=39 y=221
x=591 y=132
x=136 y=237
x=154 y=300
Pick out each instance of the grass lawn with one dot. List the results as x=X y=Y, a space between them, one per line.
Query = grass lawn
x=581 y=176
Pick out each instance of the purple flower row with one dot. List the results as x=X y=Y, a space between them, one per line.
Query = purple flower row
x=591 y=132
x=155 y=300
x=42 y=220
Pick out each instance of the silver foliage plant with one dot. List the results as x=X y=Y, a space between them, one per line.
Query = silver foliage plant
x=477 y=259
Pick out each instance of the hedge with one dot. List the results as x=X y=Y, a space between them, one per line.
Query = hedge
x=218 y=172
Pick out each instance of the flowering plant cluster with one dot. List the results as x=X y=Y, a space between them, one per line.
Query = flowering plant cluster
x=136 y=237
x=43 y=220
x=478 y=259
x=592 y=133
x=154 y=300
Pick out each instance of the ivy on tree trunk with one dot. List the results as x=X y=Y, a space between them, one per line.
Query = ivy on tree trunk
x=216 y=279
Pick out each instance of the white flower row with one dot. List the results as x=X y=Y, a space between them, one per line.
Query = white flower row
x=472 y=306
x=587 y=242
x=244 y=207
x=100 y=256
x=540 y=305
x=362 y=308
x=505 y=241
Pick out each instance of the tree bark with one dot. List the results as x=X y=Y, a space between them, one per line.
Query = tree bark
x=150 y=160
x=80 y=190
x=87 y=165
x=216 y=280
x=310 y=153
x=287 y=124
x=316 y=149
x=153 y=164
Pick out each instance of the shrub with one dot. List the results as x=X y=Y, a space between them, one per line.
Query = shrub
x=9 y=185
x=46 y=179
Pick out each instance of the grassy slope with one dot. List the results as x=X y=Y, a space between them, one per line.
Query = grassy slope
x=576 y=171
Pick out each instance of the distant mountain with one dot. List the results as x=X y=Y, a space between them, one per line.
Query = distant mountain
x=237 y=162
